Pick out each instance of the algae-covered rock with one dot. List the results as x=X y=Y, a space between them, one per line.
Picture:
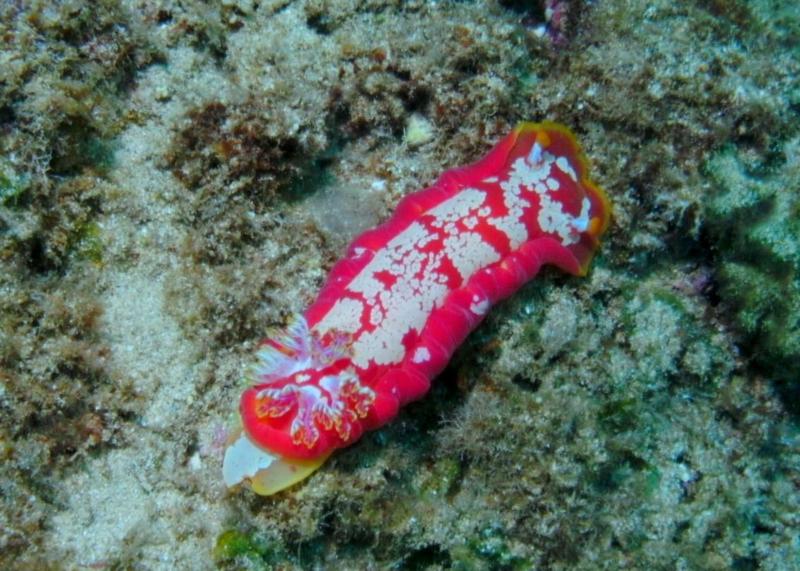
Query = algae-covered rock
x=236 y=549
x=755 y=217
x=177 y=177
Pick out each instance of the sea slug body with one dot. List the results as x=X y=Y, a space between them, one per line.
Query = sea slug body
x=407 y=293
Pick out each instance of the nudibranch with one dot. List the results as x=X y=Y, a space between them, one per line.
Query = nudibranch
x=406 y=294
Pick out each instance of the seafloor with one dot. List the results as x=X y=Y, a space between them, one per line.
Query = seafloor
x=177 y=177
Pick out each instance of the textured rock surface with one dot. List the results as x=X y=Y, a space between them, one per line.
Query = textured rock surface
x=178 y=177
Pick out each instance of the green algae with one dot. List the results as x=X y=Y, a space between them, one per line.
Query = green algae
x=620 y=415
x=87 y=243
x=489 y=549
x=443 y=479
x=13 y=185
x=235 y=549
x=754 y=214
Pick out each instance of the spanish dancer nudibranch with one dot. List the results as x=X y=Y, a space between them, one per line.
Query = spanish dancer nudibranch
x=407 y=293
